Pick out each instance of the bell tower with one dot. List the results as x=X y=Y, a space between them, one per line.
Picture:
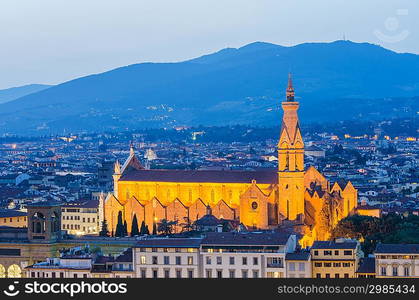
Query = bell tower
x=291 y=160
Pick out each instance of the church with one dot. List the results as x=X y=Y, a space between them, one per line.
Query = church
x=262 y=199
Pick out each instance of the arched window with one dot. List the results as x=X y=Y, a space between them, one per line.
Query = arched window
x=38 y=223
x=14 y=271
x=2 y=272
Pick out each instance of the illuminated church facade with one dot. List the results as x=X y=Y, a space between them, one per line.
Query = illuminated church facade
x=265 y=199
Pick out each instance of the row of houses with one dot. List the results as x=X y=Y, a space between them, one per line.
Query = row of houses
x=236 y=255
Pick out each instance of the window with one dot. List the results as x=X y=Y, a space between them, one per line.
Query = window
x=255 y=274
x=336 y=252
x=166 y=260
x=292 y=266
x=347 y=252
x=327 y=265
x=327 y=275
x=153 y=249
x=337 y=265
x=244 y=260
x=178 y=273
x=255 y=261
x=166 y=274
x=155 y=260
x=232 y=273
x=346 y=275
x=316 y=252
x=143 y=273
x=75 y=275
x=208 y=258
x=301 y=266
x=155 y=273
x=190 y=260
x=219 y=274
x=395 y=271
x=346 y=265
x=178 y=260
x=318 y=275
x=318 y=265
x=209 y=273
x=406 y=271
x=327 y=252
x=190 y=273
x=384 y=271
x=142 y=260
x=219 y=260
x=231 y=260
x=245 y=273
x=337 y=275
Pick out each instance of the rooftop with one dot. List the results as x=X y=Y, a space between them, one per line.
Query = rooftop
x=246 y=238
x=397 y=248
x=214 y=176
x=169 y=243
x=334 y=245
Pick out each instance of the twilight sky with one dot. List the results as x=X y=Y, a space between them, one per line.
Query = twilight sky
x=52 y=41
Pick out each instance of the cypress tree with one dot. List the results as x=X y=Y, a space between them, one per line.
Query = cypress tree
x=125 y=228
x=104 y=229
x=154 y=229
x=134 y=226
x=146 y=231
x=143 y=228
x=119 y=232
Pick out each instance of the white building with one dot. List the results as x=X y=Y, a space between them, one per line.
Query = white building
x=298 y=265
x=397 y=260
x=167 y=258
x=217 y=255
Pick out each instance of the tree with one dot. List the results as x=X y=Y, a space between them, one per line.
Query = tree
x=119 y=232
x=165 y=226
x=154 y=229
x=104 y=229
x=125 y=228
x=143 y=228
x=134 y=226
x=146 y=231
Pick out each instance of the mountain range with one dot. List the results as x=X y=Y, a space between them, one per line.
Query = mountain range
x=13 y=93
x=341 y=80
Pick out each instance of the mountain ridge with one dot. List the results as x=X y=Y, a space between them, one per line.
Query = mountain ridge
x=223 y=87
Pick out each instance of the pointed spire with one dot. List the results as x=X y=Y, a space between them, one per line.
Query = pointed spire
x=290 y=89
x=117 y=167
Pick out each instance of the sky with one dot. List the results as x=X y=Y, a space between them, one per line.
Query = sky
x=52 y=41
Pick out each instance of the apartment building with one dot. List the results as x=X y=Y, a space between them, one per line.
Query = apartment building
x=217 y=255
x=167 y=258
x=335 y=259
x=81 y=263
x=81 y=218
x=246 y=255
x=298 y=265
x=397 y=260
x=12 y=218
